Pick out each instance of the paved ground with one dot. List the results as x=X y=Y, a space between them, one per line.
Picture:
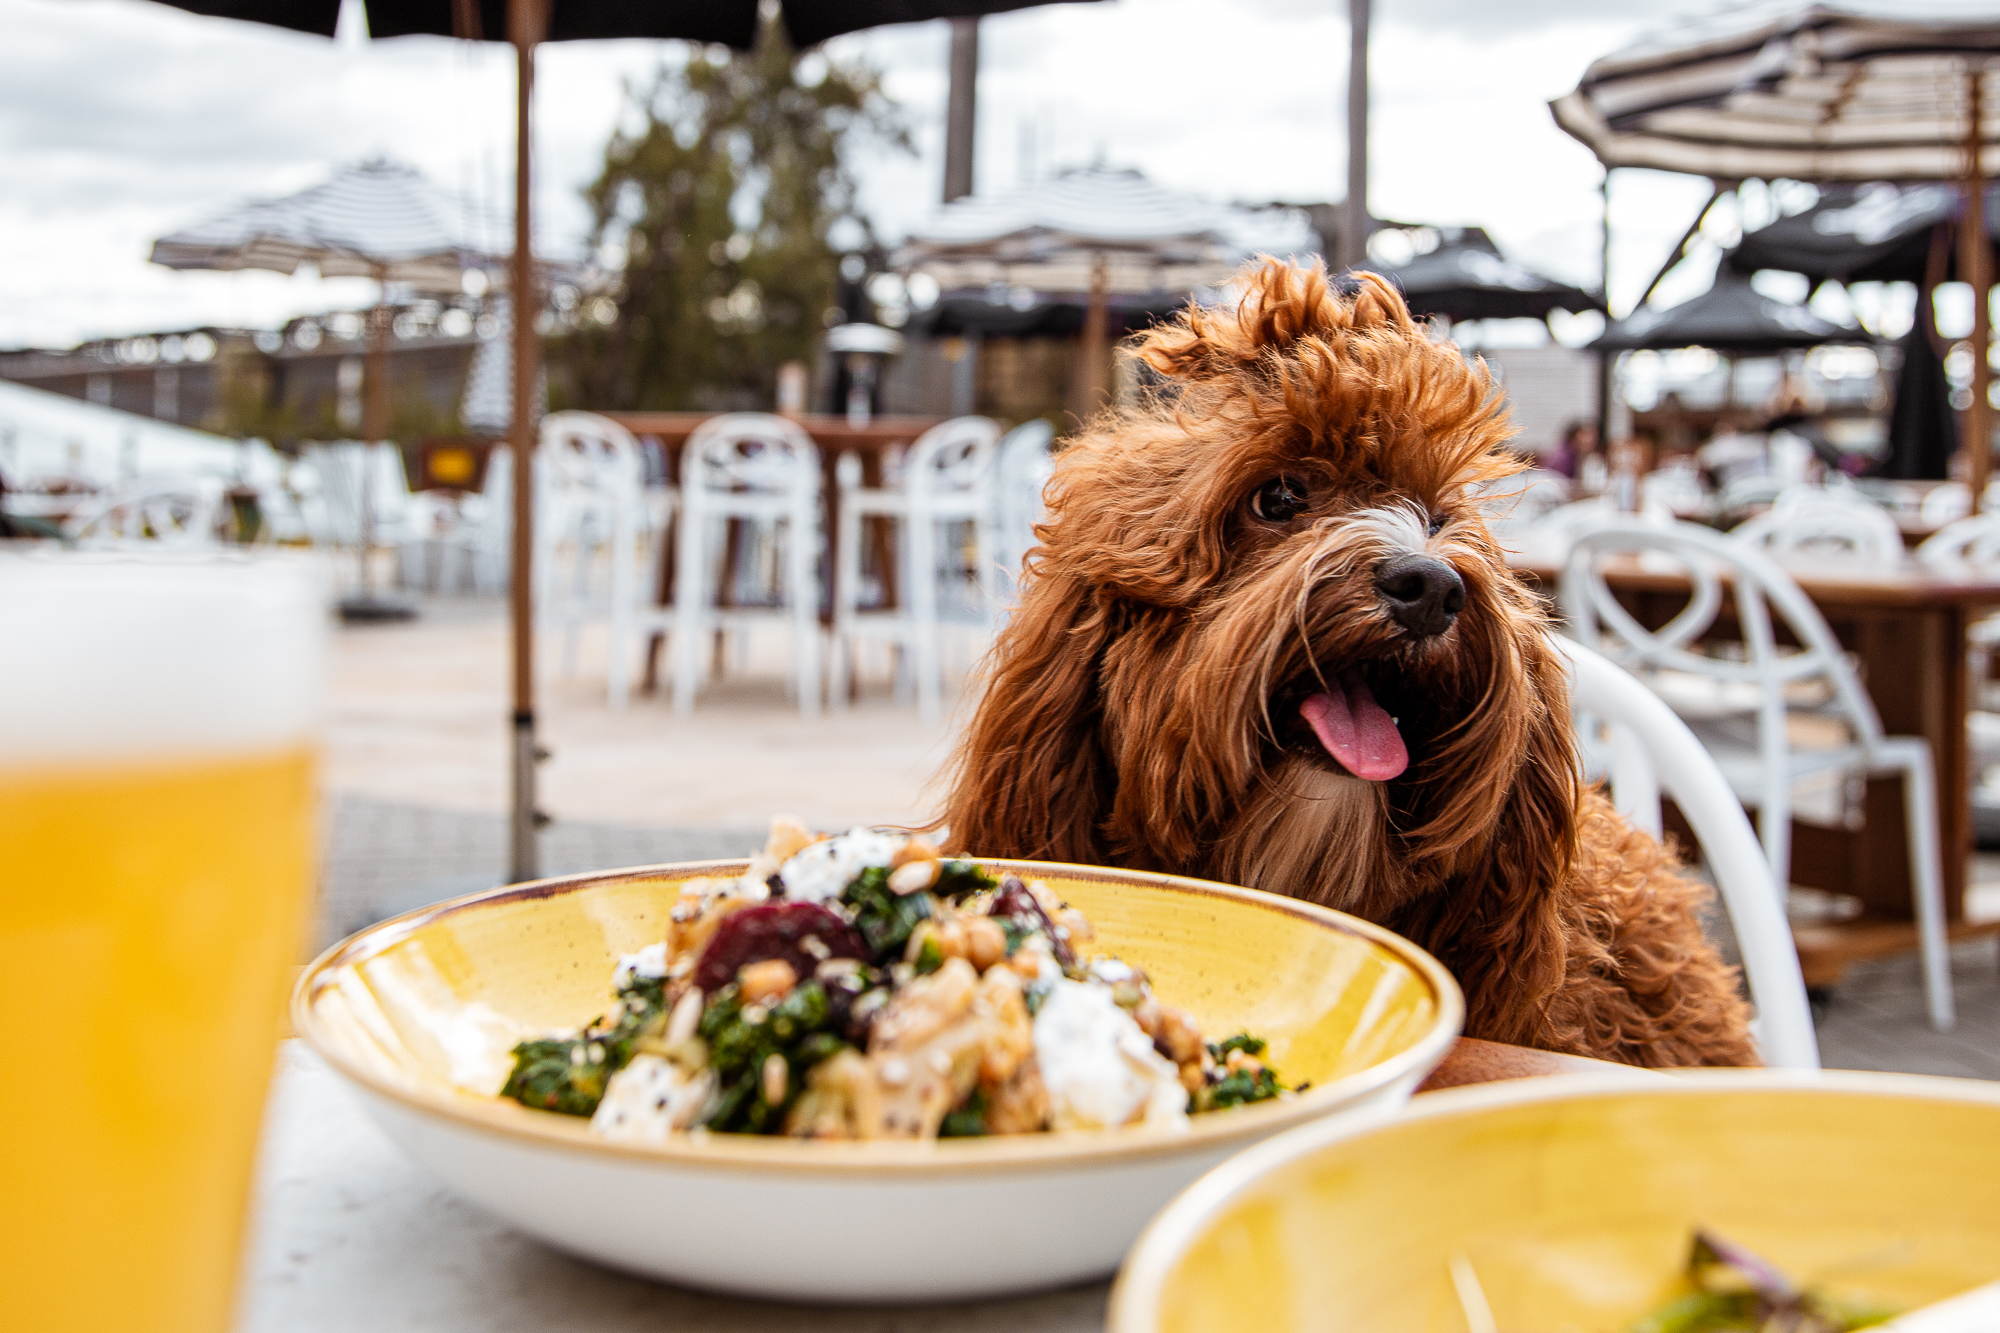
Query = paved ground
x=416 y=774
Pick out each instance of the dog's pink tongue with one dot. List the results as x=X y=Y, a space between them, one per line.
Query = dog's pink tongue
x=1355 y=731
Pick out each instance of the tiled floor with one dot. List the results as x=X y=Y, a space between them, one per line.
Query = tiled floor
x=385 y=857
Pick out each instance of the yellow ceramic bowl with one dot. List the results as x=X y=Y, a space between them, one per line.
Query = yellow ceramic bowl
x=1572 y=1200
x=419 y=1013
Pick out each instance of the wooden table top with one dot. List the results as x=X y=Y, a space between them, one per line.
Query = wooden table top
x=1908 y=585
x=828 y=430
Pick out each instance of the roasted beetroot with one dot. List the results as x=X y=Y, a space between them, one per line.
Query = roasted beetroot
x=774 y=930
x=1016 y=904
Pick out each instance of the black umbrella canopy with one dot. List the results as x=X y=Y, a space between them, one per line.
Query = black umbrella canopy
x=730 y=22
x=733 y=22
x=1466 y=277
x=1923 y=430
x=1866 y=233
x=1731 y=317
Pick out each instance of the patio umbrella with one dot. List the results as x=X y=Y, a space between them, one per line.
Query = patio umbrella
x=1097 y=231
x=1466 y=277
x=1816 y=94
x=1879 y=232
x=376 y=220
x=1731 y=317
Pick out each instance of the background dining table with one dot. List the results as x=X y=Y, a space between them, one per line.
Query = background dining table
x=1907 y=627
x=349 y=1234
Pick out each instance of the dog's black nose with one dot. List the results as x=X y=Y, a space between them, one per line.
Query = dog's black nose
x=1423 y=593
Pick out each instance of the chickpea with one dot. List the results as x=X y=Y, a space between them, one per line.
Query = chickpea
x=765 y=980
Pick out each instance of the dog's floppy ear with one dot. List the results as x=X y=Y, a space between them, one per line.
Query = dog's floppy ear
x=1031 y=778
x=1281 y=304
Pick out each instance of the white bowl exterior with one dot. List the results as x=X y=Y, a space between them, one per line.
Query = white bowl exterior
x=818 y=1236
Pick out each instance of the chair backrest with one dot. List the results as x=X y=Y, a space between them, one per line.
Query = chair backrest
x=952 y=458
x=1022 y=466
x=1968 y=544
x=585 y=449
x=172 y=511
x=1559 y=527
x=747 y=454
x=342 y=469
x=1815 y=523
x=1652 y=752
x=1595 y=617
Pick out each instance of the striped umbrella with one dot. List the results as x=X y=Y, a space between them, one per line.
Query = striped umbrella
x=378 y=220
x=1095 y=230
x=1814 y=94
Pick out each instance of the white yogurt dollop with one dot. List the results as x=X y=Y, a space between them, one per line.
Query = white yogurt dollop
x=822 y=870
x=649 y=1099
x=1099 y=1065
x=650 y=962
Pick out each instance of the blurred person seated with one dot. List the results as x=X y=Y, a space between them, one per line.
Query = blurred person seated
x=1578 y=442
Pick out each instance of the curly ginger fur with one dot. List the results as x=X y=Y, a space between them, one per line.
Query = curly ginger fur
x=1140 y=704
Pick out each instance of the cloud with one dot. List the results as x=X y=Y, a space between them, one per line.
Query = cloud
x=121 y=120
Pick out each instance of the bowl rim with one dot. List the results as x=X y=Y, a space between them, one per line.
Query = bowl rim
x=1055 y=1150
x=1135 y=1295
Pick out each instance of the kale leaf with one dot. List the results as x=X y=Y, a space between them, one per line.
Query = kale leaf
x=956 y=878
x=1242 y=1041
x=549 y=1076
x=803 y=1027
x=569 y=1074
x=884 y=917
x=1237 y=1089
x=967 y=1121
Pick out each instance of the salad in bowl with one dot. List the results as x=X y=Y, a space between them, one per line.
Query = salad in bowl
x=863 y=986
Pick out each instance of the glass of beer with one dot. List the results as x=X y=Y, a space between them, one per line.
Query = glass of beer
x=158 y=721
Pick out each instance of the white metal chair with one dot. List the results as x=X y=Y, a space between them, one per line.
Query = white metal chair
x=611 y=525
x=1644 y=751
x=1739 y=707
x=1558 y=528
x=1022 y=465
x=762 y=469
x=948 y=478
x=180 y=512
x=1811 y=522
x=1971 y=546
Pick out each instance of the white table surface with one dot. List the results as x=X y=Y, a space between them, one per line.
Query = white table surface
x=350 y=1237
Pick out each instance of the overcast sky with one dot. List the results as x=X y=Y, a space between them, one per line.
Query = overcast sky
x=121 y=120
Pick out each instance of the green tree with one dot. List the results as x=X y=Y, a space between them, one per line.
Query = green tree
x=721 y=201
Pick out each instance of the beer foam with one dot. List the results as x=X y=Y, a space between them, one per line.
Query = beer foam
x=116 y=657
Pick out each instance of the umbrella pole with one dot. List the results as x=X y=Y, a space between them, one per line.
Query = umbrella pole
x=374 y=408
x=364 y=607
x=526 y=20
x=1096 y=334
x=1975 y=261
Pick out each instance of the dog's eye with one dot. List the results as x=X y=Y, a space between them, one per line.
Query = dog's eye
x=1279 y=500
x=1437 y=523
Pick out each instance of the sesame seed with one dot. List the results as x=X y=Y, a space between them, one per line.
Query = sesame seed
x=776 y=1076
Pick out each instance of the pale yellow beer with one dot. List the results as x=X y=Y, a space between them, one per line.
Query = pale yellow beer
x=156 y=860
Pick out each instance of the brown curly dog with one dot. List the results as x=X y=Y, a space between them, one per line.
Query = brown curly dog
x=1267 y=639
